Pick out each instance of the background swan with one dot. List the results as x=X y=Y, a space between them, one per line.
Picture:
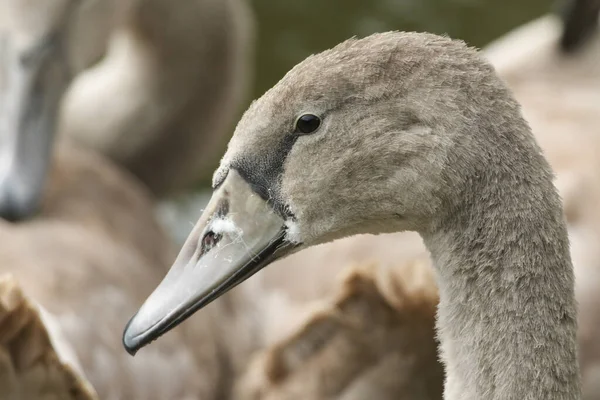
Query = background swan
x=95 y=249
x=94 y=253
x=98 y=249
x=163 y=99
x=90 y=256
x=167 y=87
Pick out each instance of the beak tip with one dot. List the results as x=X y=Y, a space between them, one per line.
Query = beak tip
x=131 y=342
x=14 y=209
x=132 y=349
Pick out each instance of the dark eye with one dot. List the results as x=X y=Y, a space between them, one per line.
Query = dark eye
x=308 y=123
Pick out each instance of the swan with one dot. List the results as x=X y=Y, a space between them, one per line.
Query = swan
x=558 y=91
x=559 y=95
x=142 y=82
x=398 y=131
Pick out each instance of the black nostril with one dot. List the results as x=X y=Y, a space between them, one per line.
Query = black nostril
x=210 y=240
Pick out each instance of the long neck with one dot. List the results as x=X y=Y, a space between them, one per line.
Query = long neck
x=28 y=110
x=507 y=315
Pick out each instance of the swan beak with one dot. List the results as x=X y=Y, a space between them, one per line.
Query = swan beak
x=237 y=235
x=32 y=83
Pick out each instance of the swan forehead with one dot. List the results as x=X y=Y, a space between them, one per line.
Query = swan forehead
x=363 y=71
x=319 y=84
x=357 y=68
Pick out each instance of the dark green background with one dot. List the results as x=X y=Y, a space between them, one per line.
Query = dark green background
x=290 y=30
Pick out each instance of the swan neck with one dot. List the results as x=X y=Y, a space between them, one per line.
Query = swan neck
x=507 y=314
x=35 y=82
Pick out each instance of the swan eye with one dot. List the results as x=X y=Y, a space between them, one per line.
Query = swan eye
x=308 y=123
